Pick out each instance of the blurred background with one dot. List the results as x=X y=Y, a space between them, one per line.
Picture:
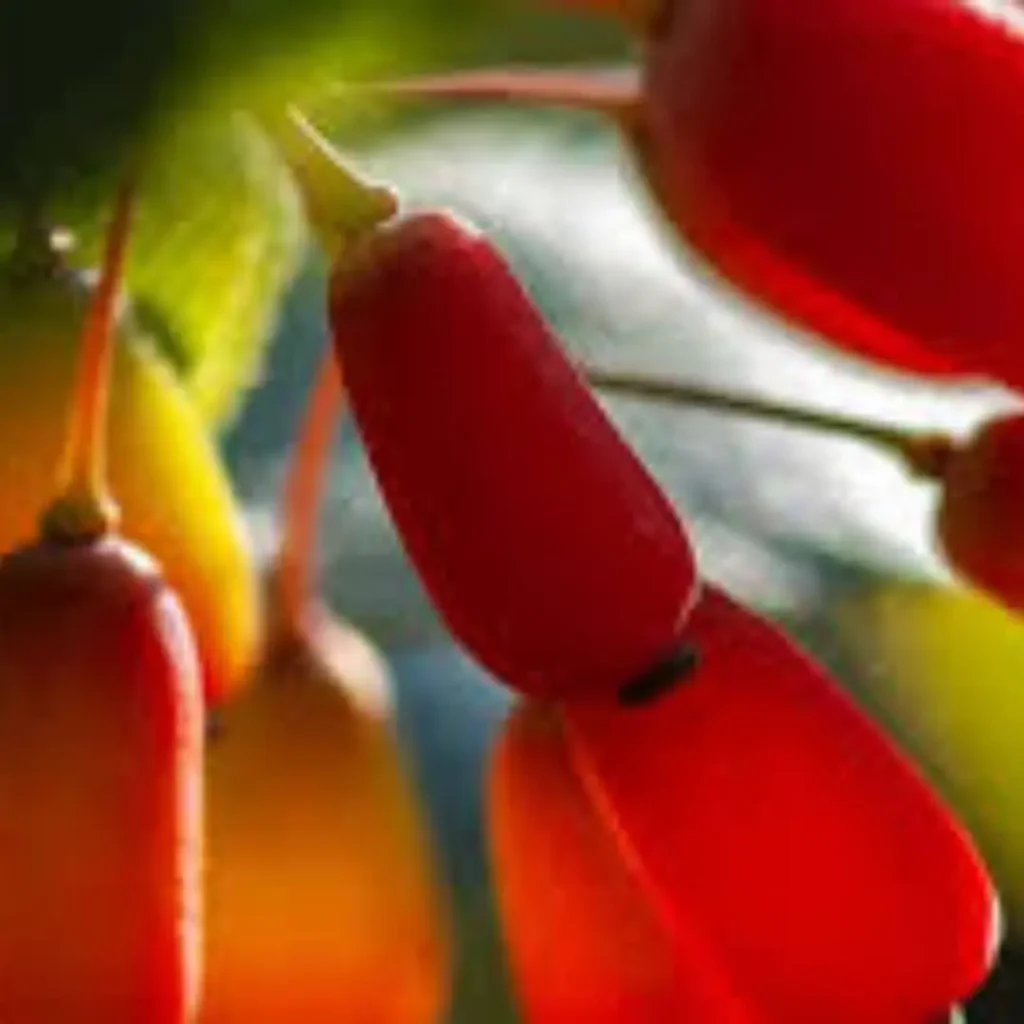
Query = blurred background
x=826 y=535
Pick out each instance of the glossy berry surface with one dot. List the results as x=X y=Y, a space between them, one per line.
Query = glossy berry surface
x=763 y=806
x=980 y=520
x=549 y=550
x=583 y=938
x=100 y=789
x=805 y=150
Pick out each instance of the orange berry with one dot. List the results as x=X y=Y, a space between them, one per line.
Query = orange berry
x=323 y=902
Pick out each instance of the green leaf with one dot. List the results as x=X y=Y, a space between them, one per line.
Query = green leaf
x=81 y=83
x=217 y=239
x=84 y=88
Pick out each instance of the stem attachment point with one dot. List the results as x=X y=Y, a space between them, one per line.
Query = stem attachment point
x=84 y=507
x=339 y=202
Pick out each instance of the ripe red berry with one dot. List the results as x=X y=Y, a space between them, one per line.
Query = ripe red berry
x=100 y=788
x=545 y=544
x=584 y=940
x=767 y=810
x=806 y=150
x=101 y=741
x=981 y=510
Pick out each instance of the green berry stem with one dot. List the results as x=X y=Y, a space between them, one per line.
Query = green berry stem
x=303 y=492
x=339 y=201
x=924 y=453
x=84 y=507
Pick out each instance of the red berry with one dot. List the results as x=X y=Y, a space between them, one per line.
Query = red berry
x=767 y=810
x=583 y=940
x=854 y=164
x=100 y=789
x=981 y=512
x=547 y=547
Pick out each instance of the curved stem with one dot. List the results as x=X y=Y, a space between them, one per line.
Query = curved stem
x=339 y=202
x=924 y=453
x=303 y=492
x=603 y=92
x=84 y=507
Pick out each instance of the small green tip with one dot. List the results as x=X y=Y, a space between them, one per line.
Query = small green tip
x=340 y=203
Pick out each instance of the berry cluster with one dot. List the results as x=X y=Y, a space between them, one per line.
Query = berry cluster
x=675 y=731
x=688 y=819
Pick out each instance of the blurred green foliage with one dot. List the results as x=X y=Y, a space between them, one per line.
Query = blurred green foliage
x=88 y=89
x=82 y=84
x=212 y=253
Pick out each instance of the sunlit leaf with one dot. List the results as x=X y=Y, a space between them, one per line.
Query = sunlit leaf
x=217 y=239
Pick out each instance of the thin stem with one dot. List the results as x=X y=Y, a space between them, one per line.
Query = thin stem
x=304 y=490
x=924 y=453
x=339 y=202
x=614 y=93
x=84 y=506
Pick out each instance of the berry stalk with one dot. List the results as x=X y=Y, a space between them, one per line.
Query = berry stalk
x=303 y=490
x=84 y=506
x=924 y=453
x=615 y=93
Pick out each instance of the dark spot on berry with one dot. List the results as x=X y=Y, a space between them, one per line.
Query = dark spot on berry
x=675 y=668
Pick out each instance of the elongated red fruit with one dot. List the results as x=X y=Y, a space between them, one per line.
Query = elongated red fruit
x=100 y=787
x=547 y=547
x=101 y=741
x=806 y=150
x=583 y=938
x=765 y=808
